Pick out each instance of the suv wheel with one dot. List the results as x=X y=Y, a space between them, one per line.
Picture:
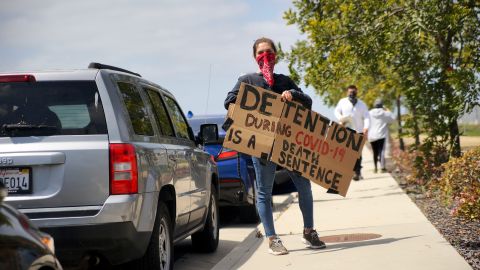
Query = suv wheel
x=159 y=254
x=206 y=240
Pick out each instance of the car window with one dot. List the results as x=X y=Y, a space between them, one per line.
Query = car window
x=51 y=108
x=136 y=108
x=160 y=112
x=195 y=123
x=72 y=116
x=178 y=120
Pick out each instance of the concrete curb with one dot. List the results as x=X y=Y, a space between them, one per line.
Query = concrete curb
x=251 y=242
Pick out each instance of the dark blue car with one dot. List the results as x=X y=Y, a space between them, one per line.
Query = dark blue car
x=236 y=172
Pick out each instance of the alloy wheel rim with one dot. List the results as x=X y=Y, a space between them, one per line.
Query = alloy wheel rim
x=164 y=247
x=214 y=218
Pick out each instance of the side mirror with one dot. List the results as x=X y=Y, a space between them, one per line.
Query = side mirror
x=3 y=192
x=208 y=133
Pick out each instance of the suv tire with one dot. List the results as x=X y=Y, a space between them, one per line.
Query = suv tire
x=159 y=254
x=206 y=240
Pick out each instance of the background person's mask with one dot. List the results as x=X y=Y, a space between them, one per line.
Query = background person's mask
x=353 y=98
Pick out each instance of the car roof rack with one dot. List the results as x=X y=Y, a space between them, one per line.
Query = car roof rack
x=103 y=66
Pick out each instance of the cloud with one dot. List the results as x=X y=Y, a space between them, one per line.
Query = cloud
x=182 y=45
x=113 y=29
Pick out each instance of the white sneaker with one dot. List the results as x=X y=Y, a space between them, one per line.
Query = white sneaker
x=276 y=247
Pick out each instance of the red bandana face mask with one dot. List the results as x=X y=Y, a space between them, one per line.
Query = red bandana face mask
x=266 y=62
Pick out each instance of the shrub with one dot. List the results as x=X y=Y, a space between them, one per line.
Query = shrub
x=459 y=184
x=420 y=165
x=402 y=159
x=428 y=161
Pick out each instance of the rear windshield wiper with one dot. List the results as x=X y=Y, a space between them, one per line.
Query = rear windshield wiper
x=28 y=129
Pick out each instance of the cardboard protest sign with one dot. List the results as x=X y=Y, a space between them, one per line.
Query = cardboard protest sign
x=307 y=150
x=345 y=146
x=255 y=117
x=293 y=137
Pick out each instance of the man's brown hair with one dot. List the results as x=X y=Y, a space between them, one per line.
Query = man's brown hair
x=352 y=86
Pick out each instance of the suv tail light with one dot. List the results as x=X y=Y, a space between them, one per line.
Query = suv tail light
x=228 y=154
x=123 y=169
x=17 y=78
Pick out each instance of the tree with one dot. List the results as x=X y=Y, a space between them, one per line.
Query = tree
x=427 y=51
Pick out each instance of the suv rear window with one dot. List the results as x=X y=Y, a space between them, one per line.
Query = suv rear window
x=50 y=108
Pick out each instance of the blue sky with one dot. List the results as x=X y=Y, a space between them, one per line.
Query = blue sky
x=187 y=47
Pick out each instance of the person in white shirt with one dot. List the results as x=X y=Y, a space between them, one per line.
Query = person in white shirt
x=379 y=120
x=353 y=113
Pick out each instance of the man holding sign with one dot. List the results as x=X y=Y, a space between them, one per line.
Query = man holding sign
x=264 y=51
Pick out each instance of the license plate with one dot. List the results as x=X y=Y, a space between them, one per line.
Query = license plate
x=17 y=180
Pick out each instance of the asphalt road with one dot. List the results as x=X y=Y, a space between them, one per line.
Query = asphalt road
x=232 y=232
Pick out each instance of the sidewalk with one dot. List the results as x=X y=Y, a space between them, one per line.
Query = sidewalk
x=375 y=208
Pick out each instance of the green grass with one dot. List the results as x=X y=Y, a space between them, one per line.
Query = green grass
x=465 y=129
x=470 y=130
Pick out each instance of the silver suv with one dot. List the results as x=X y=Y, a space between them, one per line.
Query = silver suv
x=105 y=162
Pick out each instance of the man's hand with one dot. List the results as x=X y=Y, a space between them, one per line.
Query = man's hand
x=287 y=95
x=365 y=131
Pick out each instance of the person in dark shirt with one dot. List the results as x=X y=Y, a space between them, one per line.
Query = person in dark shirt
x=264 y=51
x=6 y=117
x=34 y=118
x=5 y=111
x=282 y=85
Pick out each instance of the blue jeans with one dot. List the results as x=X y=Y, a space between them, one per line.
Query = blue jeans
x=265 y=174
